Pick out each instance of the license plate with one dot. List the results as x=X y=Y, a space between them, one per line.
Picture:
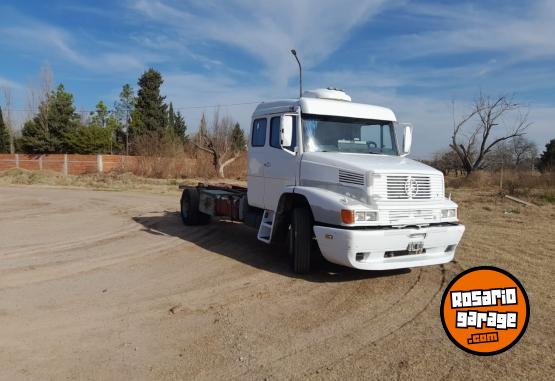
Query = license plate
x=415 y=247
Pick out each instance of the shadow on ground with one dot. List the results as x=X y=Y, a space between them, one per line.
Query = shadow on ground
x=237 y=241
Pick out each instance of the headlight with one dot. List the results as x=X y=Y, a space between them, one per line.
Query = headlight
x=449 y=213
x=350 y=216
x=366 y=216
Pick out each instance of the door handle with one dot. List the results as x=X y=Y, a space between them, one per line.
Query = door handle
x=267 y=164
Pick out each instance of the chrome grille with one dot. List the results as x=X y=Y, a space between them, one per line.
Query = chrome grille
x=404 y=187
x=411 y=215
x=354 y=178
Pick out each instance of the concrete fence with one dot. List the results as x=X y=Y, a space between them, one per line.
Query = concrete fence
x=69 y=164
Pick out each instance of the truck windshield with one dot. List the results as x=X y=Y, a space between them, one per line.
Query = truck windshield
x=341 y=134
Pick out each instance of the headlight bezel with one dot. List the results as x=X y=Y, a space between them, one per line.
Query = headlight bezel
x=366 y=216
x=448 y=214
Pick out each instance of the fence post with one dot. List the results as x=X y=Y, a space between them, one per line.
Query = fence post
x=40 y=162
x=99 y=164
x=66 y=165
x=17 y=160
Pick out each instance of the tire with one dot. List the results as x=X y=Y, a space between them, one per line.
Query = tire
x=301 y=240
x=190 y=214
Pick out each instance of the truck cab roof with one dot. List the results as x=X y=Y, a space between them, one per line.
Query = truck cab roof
x=325 y=102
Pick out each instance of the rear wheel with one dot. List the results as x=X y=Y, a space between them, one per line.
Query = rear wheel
x=190 y=213
x=300 y=240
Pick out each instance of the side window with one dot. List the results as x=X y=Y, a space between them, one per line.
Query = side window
x=259 y=132
x=275 y=125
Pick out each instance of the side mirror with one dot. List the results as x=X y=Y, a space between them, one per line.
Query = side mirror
x=407 y=140
x=286 y=131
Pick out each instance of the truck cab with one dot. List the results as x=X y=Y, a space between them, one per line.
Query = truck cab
x=339 y=169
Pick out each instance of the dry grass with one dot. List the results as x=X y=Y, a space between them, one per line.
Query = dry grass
x=534 y=186
x=188 y=165
x=107 y=181
x=165 y=157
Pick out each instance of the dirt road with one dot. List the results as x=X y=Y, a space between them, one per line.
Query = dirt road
x=110 y=285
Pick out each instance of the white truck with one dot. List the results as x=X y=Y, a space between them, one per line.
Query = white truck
x=328 y=175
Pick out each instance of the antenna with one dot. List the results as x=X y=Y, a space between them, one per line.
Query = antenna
x=294 y=52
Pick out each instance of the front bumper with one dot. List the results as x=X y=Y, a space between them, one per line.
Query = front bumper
x=383 y=249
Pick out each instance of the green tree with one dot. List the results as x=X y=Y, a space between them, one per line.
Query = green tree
x=62 y=118
x=180 y=128
x=100 y=116
x=177 y=127
x=91 y=139
x=4 y=135
x=238 y=140
x=125 y=105
x=35 y=138
x=547 y=158
x=124 y=109
x=150 y=114
x=171 y=118
x=104 y=118
x=56 y=118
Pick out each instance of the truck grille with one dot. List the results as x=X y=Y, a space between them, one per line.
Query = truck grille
x=407 y=216
x=354 y=178
x=406 y=187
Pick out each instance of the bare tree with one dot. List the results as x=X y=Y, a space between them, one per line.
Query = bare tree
x=38 y=92
x=44 y=90
x=8 y=117
x=524 y=152
x=477 y=133
x=500 y=157
x=218 y=141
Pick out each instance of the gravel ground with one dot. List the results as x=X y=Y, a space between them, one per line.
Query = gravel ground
x=110 y=285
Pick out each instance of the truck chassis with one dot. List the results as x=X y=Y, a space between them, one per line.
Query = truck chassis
x=199 y=204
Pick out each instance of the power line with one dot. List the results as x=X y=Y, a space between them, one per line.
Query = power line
x=175 y=108
x=221 y=105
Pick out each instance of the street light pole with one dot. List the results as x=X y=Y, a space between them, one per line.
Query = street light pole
x=294 y=52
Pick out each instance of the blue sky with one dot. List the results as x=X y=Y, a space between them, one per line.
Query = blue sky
x=416 y=57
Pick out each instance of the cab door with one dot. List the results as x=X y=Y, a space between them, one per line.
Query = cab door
x=257 y=151
x=280 y=163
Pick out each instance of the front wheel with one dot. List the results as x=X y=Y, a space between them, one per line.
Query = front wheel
x=300 y=243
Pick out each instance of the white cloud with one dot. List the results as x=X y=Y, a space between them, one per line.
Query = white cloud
x=267 y=31
x=52 y=42
x=431 y=117
x=177 y=35
x=524 y=34
x=6 y=83
x=195 y=94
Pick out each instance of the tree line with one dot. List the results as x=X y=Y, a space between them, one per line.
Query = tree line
x=491 y=135
x=141 y=123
